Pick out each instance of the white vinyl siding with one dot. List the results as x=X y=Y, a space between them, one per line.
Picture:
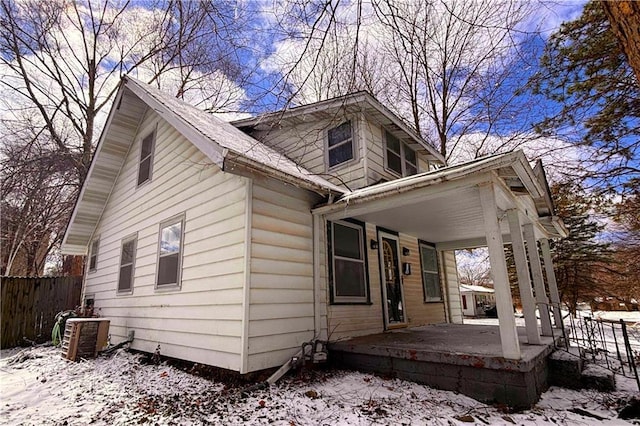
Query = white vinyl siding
x=449 y=274
x=359 y=320
x=202 y=322
x=306 y=145
x=281 y=310
x=418 y=312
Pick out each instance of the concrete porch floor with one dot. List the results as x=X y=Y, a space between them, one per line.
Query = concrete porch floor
x=458 y=357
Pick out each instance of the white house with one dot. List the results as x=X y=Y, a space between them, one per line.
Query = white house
x=476 y=299
x=233 y=244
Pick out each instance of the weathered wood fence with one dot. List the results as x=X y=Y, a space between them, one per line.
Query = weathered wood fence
x=29 y=307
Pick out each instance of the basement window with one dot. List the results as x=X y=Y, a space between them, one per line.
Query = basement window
x=146 y=158
x=348 y=267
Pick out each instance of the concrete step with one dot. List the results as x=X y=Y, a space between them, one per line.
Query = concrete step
x=595 y=377
x=565 y=368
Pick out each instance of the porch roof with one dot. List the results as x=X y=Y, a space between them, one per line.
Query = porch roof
x=443 y=206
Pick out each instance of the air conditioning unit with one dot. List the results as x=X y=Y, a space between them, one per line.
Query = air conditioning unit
x=84 y=337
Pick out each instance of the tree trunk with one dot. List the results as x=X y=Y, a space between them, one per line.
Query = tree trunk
x=624 y=17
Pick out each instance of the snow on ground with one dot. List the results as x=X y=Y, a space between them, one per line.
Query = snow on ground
x=38 y=386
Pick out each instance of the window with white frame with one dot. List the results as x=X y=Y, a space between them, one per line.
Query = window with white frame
x=430 y=274
x=93 y=255
x=170 y=253
x=146 y=158
x=399 y=157
x=127 y=264
x=348 y=264
x=340 y=146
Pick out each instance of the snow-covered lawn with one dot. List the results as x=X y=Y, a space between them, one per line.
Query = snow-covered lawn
x=122 y=389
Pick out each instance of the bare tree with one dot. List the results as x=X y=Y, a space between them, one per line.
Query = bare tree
x=60 y=65
x=451 y=69
x=37 y=192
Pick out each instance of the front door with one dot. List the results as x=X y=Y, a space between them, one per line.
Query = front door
x=392 y=294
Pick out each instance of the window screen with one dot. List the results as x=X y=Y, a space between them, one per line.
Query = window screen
x=146 y=158
x=93 y=256
x=170 y=253
x=430 y=275
x=348 y=263
x=127 y=258
x=340 y=144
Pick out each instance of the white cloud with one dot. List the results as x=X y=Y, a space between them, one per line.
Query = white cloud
x=127 y=38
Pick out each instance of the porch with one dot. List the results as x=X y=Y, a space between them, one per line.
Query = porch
x=456 y=357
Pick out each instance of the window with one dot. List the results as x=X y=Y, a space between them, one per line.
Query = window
x=170 y=253
x=146 y=158
x=348 y=264
x=127 y=260
x=93 y=255
x=399 y=157
x=430 y=275
x=340 y=144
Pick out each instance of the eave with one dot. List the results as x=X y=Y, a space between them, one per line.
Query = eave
x=352 y=103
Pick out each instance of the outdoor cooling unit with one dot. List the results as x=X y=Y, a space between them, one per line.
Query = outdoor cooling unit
x=84 y=337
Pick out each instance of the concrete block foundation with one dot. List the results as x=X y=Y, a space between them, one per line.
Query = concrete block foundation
x=463 y=362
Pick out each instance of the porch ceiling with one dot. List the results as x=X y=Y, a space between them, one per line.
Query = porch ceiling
x=452 y=216
x=444 y=206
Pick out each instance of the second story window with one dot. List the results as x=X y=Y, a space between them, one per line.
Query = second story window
x=340 y=147
x=400 y=158
x=146 y=158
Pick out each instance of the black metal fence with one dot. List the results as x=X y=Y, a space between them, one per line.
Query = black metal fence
x=608 y=343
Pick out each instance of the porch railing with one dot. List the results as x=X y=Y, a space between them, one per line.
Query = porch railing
x=613 y=344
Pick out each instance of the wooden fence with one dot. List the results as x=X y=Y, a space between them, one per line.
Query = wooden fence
x=29 y=307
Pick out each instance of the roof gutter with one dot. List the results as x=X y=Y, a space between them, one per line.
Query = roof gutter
x=245 y=162
x=411 y=183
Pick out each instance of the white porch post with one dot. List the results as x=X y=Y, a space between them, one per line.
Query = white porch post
x=524 y=282
x=319 y=297
x=538 y=280
x=504 y=303
x=551 y=280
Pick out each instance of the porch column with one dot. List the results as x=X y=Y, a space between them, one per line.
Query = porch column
x=524 y=281
x=504 y=303
x=551 y=280
x=319 y=295
x=538 y=281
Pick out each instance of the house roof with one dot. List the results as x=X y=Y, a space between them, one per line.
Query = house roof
x=224 y=144
x=218 y=139
x=405 y=203
x=524 y=177
x=353 y=102
x=475 y=288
